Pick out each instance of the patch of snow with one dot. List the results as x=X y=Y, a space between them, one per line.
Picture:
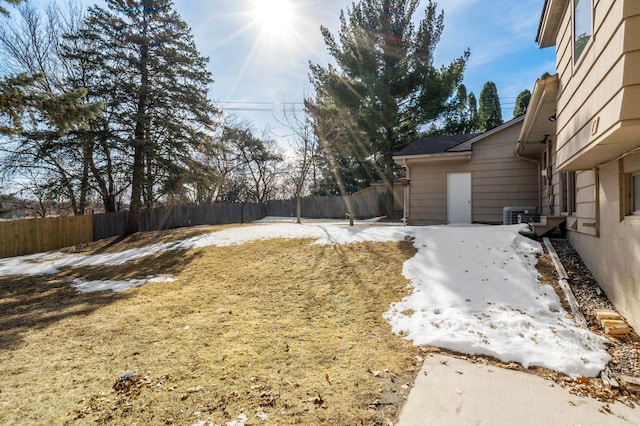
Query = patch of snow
x=323 y=234
x=475 y=288
x=83 y=286
x=343 y=221
x=52 y=262
x=475 y=291
x=239 y=421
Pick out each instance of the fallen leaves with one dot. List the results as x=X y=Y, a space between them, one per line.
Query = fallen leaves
x=130 y=384
x=590 y=387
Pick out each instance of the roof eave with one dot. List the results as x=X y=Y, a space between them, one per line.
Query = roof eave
x=403 y=160
x=541 y=108
x=466 y=145
x=550 y=20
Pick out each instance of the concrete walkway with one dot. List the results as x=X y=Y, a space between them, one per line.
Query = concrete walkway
x=450 y=391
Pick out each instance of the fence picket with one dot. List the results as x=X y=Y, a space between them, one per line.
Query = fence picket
x=26 y=236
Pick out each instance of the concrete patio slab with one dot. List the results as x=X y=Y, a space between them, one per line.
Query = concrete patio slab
x=451 y=391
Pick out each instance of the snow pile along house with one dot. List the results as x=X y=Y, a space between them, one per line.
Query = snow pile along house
x=575 y=155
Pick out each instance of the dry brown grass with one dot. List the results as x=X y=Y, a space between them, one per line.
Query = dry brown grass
x=280 y=327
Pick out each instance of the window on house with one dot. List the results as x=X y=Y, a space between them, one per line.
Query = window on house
x=581 y=27
x=630 y=195
x=568 y=192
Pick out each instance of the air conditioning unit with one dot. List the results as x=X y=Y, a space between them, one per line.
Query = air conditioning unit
x=510 y=213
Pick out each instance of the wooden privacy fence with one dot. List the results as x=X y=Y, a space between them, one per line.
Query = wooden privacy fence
x=27 y=236
x=363 y=204
x=333 y=207
x=111 y=224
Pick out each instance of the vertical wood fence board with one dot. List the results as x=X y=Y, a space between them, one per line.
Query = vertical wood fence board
x=28 y=236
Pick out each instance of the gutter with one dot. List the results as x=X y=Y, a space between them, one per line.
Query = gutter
x=445 y=156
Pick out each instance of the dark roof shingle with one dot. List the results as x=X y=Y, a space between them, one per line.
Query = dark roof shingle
x=435 y=145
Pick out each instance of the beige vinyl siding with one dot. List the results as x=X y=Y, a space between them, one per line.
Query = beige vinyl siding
x=428 y=200
x=614 y=257
x=598 y=95
x=598 y=122
x=585 y=214
x=498 y=179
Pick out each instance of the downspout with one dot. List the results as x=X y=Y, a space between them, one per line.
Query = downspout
x=537 y=176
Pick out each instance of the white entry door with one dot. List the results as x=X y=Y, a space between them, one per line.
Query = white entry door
x=458 y=197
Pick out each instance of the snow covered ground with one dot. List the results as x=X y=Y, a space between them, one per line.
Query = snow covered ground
x=475 y=288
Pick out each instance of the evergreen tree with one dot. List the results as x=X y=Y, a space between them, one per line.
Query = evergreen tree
x=522 y=102
x=144 y=58
x=20 y=99
x=41 y=111
x=4 y=204
x=472 y=104
x=463 y=117
x=489 y=112
x=385 y=86
x=4 y=11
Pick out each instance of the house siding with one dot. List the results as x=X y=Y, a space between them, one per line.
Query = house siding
x=614 y=256
x=584 y=218
x=597 y=101
x=598 y=122
x=498 y=179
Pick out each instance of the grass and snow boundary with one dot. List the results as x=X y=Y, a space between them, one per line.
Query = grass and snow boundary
x=475 y=288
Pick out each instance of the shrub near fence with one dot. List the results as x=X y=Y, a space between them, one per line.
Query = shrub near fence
x=27 y=236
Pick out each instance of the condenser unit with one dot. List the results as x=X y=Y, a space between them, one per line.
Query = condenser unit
x=510 y=213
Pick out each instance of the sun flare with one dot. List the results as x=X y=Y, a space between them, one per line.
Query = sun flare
x=273 y=16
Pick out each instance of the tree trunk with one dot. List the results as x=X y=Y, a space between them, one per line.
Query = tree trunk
x=148 y=183
x=389 y=176
x=87 y=153
x=106 y=191
x=140 y=132
x=68 y=186
x=133 y=224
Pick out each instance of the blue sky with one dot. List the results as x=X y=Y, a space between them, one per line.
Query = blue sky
x=257 y=66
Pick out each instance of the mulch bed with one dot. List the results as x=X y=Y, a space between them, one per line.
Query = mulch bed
x=624 y=350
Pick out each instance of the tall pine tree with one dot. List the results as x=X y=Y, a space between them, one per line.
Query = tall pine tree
x=145 y=58
x=385 y=86
x=463 y=117
x=489 y=112
x=522 y=102
x=53 y=153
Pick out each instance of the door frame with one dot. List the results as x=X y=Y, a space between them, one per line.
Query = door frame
x=458 y=191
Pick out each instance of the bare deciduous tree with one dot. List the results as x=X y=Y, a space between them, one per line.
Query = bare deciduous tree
x=304 y=145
